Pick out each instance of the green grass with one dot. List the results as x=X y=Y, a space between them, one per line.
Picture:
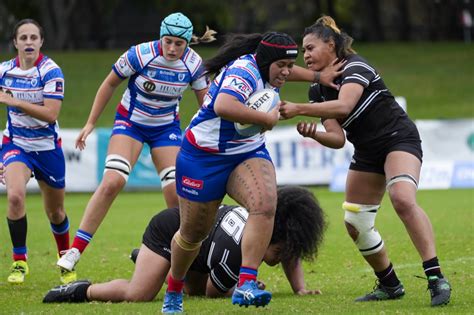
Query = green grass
x=435 y=78
x=339 y=271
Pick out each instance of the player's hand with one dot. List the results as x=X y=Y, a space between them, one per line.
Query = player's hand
x=272 y=119
x=331 y=72
x=288 y=110
x=307 y=129
x=7 y=99
x=81 y=138
x=308 y=292
x=261 y=285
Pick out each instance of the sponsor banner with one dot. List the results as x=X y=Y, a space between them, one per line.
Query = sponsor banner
x=303 y=161
x=143 y=175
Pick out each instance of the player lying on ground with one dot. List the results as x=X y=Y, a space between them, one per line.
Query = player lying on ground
x=298 y=232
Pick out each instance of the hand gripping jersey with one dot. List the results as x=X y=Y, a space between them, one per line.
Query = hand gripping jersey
x=156 y=85
x=209 y=132
x=44 y=80
x=376 y=117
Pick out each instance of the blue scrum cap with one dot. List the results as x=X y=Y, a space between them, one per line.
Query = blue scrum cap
x=178 y=25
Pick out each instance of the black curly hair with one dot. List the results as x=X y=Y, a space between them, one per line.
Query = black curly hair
x=299 y=222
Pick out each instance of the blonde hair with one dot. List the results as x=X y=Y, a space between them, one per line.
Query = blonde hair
x=207 y=37
x=326 y=29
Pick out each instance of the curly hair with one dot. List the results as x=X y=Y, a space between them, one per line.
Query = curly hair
x=300 y=223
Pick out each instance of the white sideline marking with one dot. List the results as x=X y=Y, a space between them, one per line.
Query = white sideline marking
x=443 y=263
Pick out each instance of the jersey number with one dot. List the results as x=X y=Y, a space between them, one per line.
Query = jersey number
x=233 y=225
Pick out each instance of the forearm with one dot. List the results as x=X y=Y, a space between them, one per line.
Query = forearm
x=329 y=109
x=43 y=113
x=104 y=94
x=294 y=274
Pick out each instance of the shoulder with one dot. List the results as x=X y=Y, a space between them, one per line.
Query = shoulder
x=7 y=65
x=356 y=61
x=48 y=66
x=246 y=66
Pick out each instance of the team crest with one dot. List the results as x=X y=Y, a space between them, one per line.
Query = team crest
x=149 y=86
x=8 y=81
x=181 y=76
x=151 y=73
x=33 y=82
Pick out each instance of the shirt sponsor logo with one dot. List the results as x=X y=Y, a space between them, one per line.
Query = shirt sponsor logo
x=144 y=49
x=240 y=86
x=192 y=183
x=162 y=72
x=122 y=62
x=149 y=86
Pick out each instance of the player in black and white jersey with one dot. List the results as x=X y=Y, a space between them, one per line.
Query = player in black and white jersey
x=298 y=232
x=388 y=156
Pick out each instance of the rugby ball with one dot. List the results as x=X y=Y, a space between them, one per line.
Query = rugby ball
x=264 y=101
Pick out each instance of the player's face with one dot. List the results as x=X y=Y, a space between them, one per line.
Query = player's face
x=317 y=53
x=273 y=254
x=279 y=71
x=173 y=47
x=28 y=42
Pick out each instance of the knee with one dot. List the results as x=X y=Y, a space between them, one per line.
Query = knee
x=137 y=296
x=110 y=188
x=16 y=200
x=403 y=205
x=352 y=231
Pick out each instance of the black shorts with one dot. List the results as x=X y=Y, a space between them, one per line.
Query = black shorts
x=160 y=232
x=372 y=159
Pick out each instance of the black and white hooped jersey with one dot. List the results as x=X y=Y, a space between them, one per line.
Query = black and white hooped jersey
x=220 y=255
x=376 y=115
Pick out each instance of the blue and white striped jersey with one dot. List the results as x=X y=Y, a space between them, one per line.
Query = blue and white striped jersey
x=44 y=80
x=209 y=132
x=156 y=85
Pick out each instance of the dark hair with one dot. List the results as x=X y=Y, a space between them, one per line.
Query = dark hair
x=326 y=29
x=299 y=222
x=27 y=21
x=235 y=45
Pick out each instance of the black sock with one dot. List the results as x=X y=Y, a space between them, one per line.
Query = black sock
x=18 y=230
x=388 y=277
x=81 y=292
x=432 y=268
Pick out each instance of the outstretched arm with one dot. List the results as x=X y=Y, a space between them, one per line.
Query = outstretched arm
x=294 y=273
x=325 y=77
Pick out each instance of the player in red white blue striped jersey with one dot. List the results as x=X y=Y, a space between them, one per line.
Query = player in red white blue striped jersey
x=32 y=87
x=158 y=73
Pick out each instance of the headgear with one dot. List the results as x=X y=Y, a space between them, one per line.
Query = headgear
x=274 y=46
x=177 y=25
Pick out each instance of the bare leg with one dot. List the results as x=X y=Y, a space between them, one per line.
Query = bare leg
x=164 y=157
x=197 y=219
x=148 y=278
x=253 y=185
x=17 y=176
x=403 y=197
x=112 y=183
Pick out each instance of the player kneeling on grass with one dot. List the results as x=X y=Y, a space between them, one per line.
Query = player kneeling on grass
x=297 y=233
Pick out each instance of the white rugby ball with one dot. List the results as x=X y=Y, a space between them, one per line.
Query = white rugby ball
x=263 y=101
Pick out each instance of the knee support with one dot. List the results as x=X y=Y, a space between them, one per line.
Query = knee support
x=167 y=176
x=185 y=245
x=119 y=164
x=402 y=178
x=362 y=218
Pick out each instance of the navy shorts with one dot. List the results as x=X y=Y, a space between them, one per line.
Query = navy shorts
x=159 y=136
x=48 y=166
x=202 y=176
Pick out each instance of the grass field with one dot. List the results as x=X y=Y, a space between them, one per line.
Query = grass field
x=435 y=78
x=339 y=271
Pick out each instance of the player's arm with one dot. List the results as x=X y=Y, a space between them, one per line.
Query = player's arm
x=325 y=77
x=213 y=292
x=295 y=275
x=49 y=112
x=230 y=108
x=104 y=94
x=200 y=95
x=332 y=137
